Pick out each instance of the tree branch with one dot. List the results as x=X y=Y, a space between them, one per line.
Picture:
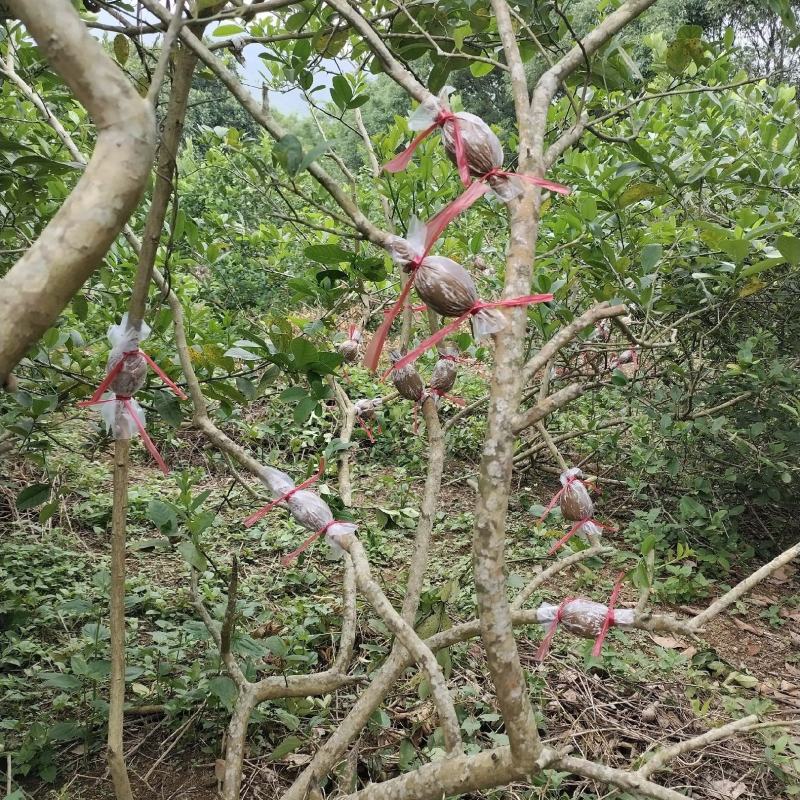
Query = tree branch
x=251 y=105
x=741 y=588
x=567 y=334
x=411 y=641
x=659 y=758
x=37 y=288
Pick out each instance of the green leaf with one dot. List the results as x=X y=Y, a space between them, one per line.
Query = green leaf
x=341 y=91
x=33 y=496
x=193 y=556
x=639 y=191
x=60 y=680
x=66 y=731
x=80 y=307
x=223 y=688
x=288 y=152
x=691 y=508
x=480 y=68
x=651 y=255
x=163 y=515
x=303 y=351
x=276 y=646
x=328 y=254
x=313 y=154
x=201 y=522
x=288 y=745
x=122 y=49
x=789 y=248
x=229 y=29
x=293 y=394
x=737 y=249
x=304 y=409
x=168 y=408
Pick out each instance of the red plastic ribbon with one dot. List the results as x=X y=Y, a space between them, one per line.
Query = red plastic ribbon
x=449 y=328
x=437 y=223
x=289 y=557
x=264 y=510
x=401 y=161
x=523 y=176
x=106 y=382
x=544 y=647
x=365 y=428
x=574 y=529
x=454 y=359
x=557 y=496
x=458 y=401
x=148 y=442
x=609 y=620
x=373 y=352
x=117 y=368
x=476 y=190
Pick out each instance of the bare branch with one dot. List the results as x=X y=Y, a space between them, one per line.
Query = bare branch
x=519 y=80
x=166 y=49
x=251 y=105
x=547 y=406
x=411 y=641
x=549 y=82
x=659 y=758
x=744 y=586
x=568 y=333
x=622 y=779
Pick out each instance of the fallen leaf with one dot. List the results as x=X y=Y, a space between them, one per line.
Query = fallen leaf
x=728 y=790
x=783 y=574
x=219 y=769
x=753 y=649
x=790 y=688
x=763 y=600
x=689 y=652
x=668 y=642
x=791 y=669
x=744 y=626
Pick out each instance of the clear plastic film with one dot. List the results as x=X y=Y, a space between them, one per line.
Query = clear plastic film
x=276 y=481
x=367 y=406
x=583 y=617
x=125 y=347
x=314 y=514
x=120 y=417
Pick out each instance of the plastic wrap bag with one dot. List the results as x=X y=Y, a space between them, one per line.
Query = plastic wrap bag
x=278 y=482
x=432 y=113
x=367 y=407
x=129 y=375
x=584 y=618
x=126 y=372
x=447 y=288
x=575 y=502
x=407 y=380
x=445 y=371
x=282 y=488
x=314 y=514
x=349 y=347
